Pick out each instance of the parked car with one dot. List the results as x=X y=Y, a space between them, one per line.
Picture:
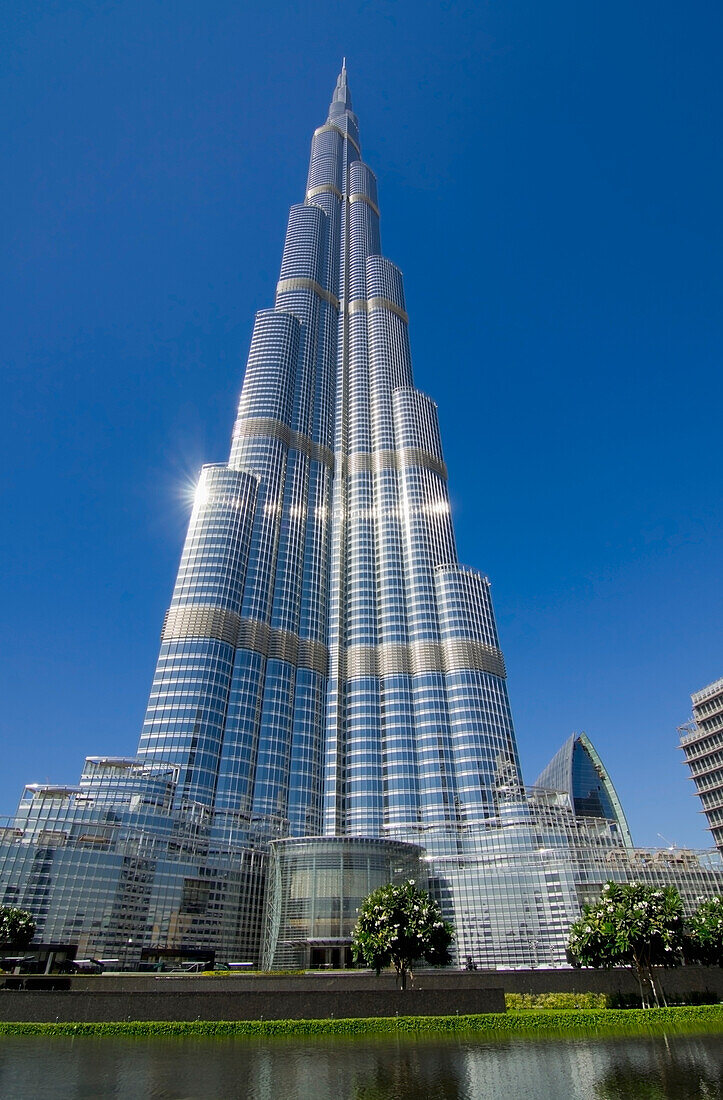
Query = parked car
x=87 y=966
x=19 y=963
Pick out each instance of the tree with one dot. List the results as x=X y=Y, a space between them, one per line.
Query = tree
x=706 y=932
x=399 y=924
x=631 y=925
x=17 y=927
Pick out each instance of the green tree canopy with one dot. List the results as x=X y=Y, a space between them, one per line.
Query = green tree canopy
x=631 y=925
x=706 y=932
x=398 y=925
x=17 y=927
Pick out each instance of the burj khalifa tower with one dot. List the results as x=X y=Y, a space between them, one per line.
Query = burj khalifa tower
x=327 y=666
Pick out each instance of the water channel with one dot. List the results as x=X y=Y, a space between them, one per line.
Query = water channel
x=676 y=1066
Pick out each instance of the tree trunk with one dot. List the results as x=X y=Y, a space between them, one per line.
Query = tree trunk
x=658 y=986
x=648 y=975
x=643 y=998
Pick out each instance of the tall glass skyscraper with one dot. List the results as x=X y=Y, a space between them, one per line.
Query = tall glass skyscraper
x=326 y=665
x=329 y=708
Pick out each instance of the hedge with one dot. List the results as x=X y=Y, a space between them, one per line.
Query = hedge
x=527 y=1023
x=252 y=973
x=520 y=1001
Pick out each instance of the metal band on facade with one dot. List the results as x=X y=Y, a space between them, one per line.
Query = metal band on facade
x=462 y=653
x=386 y=303
x=267 y=426
x=425 y=657
x=285 y=285
x=283 y=645
x=254 y=634
x=361 y=660
x=331 y=188
x=200 y=621
x=415 y=456
x=330 y=126
x=394 y=659
x=363 y=305
x=376 y=461
x=367 y=461
x=382 y=460
x=359 y=196
x=313 y=655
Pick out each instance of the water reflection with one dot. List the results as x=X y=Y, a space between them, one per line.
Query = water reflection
x=416 y=1073
x=682 y=1067
x=658 y=1071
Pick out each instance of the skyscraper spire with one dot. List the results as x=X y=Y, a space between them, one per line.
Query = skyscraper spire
x=342 y=94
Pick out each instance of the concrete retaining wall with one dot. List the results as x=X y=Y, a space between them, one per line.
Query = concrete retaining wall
x=226 y=1004
x=317 y=996
x=677 y=983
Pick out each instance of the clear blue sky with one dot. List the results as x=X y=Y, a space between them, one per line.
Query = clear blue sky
x=550 y=183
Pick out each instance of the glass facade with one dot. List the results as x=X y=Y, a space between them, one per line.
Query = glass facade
x=330 y=686
x=514 y=896
x=111 y=866
x=315 y=889
x=578 y=770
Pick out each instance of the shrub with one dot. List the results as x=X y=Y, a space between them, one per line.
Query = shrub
x=631 y=925
x=706 y=932
x=17 y=927
x=399 y=924
x=518 y=1001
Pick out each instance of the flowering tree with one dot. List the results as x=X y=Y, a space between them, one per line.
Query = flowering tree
x=706 y=932
x=398 y=925
x=17 y=927
x=631 y=925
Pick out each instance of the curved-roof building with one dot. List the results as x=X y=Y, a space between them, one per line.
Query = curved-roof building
x=577 y=769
